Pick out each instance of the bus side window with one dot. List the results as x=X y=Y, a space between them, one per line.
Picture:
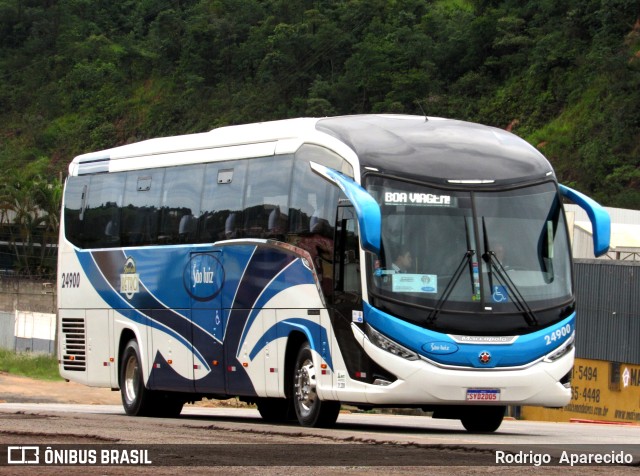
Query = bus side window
x=102 y=213
x=180 y=204
x=312 y=212
x=313 y=199
x=266 y=208
x=222 y=201
x=75 y=200
x=140 y=207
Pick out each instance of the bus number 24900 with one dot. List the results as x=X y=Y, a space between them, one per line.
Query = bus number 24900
x=70 y=280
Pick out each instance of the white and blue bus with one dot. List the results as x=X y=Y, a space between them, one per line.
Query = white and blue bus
x=374 y=260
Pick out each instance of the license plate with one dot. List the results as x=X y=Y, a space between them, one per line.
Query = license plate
x=483 y=394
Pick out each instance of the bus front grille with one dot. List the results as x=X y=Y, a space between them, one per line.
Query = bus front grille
x=75 y=348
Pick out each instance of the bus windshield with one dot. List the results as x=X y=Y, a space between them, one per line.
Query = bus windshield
x=471 y=251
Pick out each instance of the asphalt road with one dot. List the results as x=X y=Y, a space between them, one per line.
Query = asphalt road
x=237 y=441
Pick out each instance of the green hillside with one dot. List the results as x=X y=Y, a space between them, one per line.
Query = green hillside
x=81 y=75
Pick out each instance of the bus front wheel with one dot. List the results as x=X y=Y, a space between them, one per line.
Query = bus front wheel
x=482 y=419
x=310 y=410
x=275 y=410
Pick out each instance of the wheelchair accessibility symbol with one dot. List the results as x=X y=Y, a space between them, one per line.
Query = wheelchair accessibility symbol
x=500 y=294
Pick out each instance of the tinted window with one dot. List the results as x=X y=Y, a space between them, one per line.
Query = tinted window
x=271 y=197
x=312 y=212
x=180 y=204
x=102 y=214
x=222 y=201
x=266 y=205
x=75 y=196
x=313 y=199
x=141 y=205
x=315 y=153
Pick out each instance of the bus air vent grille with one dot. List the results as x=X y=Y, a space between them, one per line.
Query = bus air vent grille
x=75 y=345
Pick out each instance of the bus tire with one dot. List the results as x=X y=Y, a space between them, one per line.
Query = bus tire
x=164 y=404
x=482 y=419
x=275 y=409
x=310 y=410
x=136 y=398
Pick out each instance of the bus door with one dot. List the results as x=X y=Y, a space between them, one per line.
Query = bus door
x=347 y=290
x=206 y=276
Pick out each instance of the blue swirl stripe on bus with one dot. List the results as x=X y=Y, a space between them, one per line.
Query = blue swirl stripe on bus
x=265 y=273
x=284 y=328
x=294 y=274
x=109 y=293
x=524 y=350
x=264 y=265
x=235 y=260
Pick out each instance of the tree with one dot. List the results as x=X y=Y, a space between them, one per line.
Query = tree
x=29 y=214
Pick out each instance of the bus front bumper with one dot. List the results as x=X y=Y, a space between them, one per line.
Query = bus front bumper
x=423 y=382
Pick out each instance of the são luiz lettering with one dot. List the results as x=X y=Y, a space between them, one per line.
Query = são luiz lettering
x=567 y=457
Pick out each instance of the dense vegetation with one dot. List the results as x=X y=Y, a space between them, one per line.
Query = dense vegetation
x=81 y=75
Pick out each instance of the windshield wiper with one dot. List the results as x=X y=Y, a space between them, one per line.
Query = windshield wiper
x=466 y=259
x=492 y=260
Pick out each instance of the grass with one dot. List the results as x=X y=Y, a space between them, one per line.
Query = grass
x=39 y=366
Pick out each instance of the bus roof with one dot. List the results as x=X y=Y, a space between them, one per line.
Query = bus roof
x=439 y=149
x=436 y=149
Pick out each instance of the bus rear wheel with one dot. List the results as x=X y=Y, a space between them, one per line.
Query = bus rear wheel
x=482 y=419
x=137 y=400
x=310 y=410
x=275 y=409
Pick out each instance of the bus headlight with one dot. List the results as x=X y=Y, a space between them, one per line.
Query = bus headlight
x=562 y=350
x=390 y=346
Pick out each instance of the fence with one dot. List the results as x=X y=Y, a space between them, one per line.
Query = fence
x=608 y=301
x=22 y=331
x=32 y=328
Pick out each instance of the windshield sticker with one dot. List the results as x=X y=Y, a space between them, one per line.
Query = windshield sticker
x=500 y=294
x=414 y=283
x=357 y=316
x=418 y=199
x=476 y=283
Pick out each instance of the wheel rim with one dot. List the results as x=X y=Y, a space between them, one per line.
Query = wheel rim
x=131 y=377
x=305 y=387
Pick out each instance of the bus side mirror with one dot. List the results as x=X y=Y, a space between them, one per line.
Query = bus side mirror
x=600 y=220
x=367 y=209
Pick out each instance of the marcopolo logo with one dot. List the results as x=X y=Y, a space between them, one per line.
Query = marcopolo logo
x=129 y=279
x=484 y=357
x=203 y=276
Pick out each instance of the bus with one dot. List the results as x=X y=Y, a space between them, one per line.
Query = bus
x=301 y=264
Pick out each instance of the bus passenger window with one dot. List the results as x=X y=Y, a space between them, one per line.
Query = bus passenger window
x=222 y=201
x=102 y=212
x=140 y=208
x=266 y=208
x=180 y=204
